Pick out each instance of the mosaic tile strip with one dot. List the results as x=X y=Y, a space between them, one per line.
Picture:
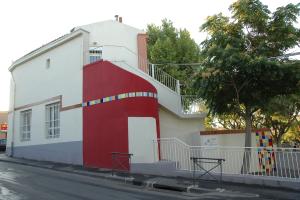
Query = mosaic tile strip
x=119 y=97
x=266 y=157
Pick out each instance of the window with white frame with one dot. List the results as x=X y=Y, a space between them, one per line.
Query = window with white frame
x=52 y=120
x=95 y=54
x=25 y=125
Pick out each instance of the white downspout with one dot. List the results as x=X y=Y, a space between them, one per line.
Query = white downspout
x=13 y=118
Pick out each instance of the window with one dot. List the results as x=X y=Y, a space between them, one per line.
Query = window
x=95 y=54
x=52 y=120
x=25 y=125
x=48 y=63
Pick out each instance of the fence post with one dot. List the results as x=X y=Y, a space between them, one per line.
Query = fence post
x=194 y=172
x=221 y=173
x=152 y=71
x=178 y=87
x=154 y=151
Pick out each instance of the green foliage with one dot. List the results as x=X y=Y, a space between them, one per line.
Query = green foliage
x=237 y=70
x=280 y=115
x=240 y=74
x=293 y=135
x=167 y=46
x=225 y=121
x=233 y=121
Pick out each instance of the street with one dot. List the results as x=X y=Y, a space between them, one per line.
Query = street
x=26 y=182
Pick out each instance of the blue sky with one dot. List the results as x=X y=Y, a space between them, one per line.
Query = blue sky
x=26 y=25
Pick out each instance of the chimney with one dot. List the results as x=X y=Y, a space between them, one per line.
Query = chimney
x=120 y=19
x=117 y=17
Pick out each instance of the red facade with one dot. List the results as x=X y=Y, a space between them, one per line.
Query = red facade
x=105 y=125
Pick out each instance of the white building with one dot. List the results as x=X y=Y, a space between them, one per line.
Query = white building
x=92 y=92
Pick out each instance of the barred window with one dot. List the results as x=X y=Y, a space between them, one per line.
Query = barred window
x=52 y=120
x=25 y=125
x=95 y=54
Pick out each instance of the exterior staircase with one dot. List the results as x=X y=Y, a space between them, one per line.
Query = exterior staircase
x=168 y=88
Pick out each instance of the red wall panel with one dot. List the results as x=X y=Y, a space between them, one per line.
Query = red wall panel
x=105 y=125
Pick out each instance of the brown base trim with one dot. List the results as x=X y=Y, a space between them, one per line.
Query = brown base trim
x=224 y=132
x=49 y=100
x=70 y=107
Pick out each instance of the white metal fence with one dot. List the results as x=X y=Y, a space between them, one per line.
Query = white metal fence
x=259 y=161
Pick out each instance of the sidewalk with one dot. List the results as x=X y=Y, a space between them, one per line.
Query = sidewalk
x=155 y=182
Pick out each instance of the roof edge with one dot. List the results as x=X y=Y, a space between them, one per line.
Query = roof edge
x=61 y=40
x=111 y=21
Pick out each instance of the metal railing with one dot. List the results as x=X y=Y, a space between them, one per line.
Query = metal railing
x=158 y=74
x=260 y=161
x=120 y=162
x=215 y=162
x=192 y=104
x=152 y=70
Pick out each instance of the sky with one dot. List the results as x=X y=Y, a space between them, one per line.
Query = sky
x=26 y=25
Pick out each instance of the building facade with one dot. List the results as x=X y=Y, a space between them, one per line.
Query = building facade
x=92 y=92
x=3 y=129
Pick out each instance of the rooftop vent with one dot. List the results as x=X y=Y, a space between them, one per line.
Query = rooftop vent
x=118 y=18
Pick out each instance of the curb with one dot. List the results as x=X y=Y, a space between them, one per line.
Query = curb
x=126 y=180
x=90 y=174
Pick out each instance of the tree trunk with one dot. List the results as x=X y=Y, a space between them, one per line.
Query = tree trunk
x=247 y=152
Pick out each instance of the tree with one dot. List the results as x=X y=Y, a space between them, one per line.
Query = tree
x=280 y=115
x=168 y=46
x=293 y=135
x=238 y=75
x=233 y=121
x=225 y=121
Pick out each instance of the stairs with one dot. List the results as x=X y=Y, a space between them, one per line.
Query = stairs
x=168 y=88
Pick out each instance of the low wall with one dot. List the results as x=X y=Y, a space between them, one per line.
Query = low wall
x=64 y=152
x=225 y=138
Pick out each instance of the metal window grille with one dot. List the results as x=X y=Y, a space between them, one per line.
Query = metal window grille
x=52 y=120
x=25 y=125
x=95 y=54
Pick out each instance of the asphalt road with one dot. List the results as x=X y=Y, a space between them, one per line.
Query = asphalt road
x=26 y=182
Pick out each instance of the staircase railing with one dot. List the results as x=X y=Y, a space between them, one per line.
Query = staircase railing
x=161 y=76
x=190 y=104
x=123 y=52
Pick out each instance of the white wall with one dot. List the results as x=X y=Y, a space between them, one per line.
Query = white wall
x=9 y=129
x=181 y=128
x=229 y=150
x=35 y=83
x=119 y=40
x=119 y=45
x=70 y=127
x=236 y=140
x=141 y=134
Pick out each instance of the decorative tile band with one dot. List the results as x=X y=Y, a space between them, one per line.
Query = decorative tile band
x=119 y=97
